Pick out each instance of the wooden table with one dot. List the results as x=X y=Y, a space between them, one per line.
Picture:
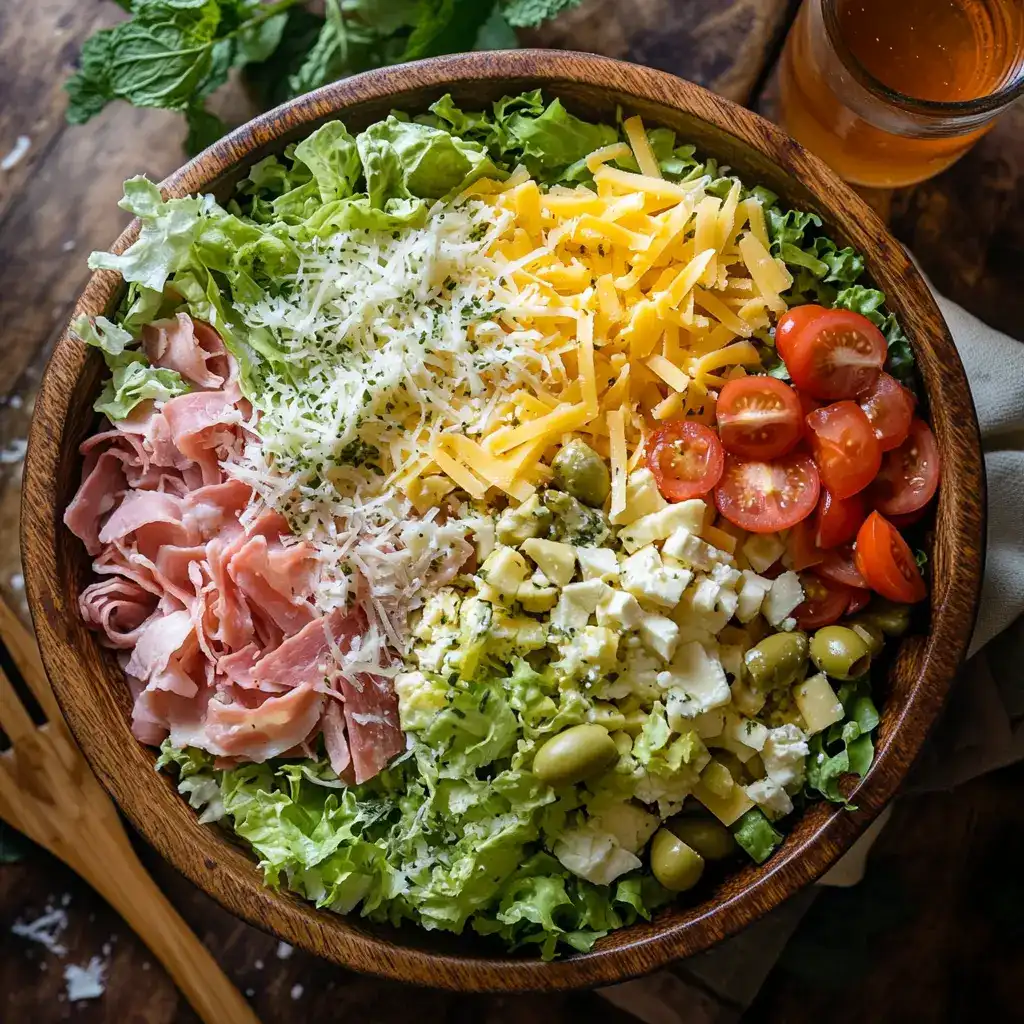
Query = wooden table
x=926 y=938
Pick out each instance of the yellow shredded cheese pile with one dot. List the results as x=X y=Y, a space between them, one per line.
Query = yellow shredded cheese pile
x=643 y=294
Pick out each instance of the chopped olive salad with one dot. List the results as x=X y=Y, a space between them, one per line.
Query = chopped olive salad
x=563 y=481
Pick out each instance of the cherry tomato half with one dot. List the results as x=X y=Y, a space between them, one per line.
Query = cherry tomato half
x=845 y=448
x=909 y=476
x=889 y=407
x=685 y=458
x=830 y=353
x=838 y=519
x=824 y=602
x=764 y=497
x=840 y=565
x=887 y=563
x=758 y=417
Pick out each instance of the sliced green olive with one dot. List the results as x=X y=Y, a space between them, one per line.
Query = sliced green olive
x=675 y=864
x=869 y=631
x=840 y=652
x=891 y=618
x=777 y=661
x=709 y=837
x=575 y=754
x=583 y=473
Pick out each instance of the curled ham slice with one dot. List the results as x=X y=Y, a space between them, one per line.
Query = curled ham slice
x=179 y=344
x=215 y=622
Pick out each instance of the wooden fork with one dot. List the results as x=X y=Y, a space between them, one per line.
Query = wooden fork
x=48 y=791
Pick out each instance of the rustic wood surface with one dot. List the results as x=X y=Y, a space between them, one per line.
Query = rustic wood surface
x=967 y=227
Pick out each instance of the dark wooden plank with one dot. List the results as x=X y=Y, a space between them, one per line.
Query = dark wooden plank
x=720 y=44
x=933 y=933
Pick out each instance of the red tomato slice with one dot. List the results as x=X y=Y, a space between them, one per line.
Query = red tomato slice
x=840 y=565
x=859 y=600
x=824 y=602
x=889 y=407
x=830 y=353
x=838 y=519
x=909 y=475
x=764 y=497
x=887 y=563
x=685 y=458
x=758 y=417
x=844 y=447
x=801 y=551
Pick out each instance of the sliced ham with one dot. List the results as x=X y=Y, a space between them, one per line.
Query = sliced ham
x=174 y=345
x=210 y=606
x=371 y=713
x=100 y=491
x=275 y=581
x=335 y=742
x=266 y=731
x=119 y=607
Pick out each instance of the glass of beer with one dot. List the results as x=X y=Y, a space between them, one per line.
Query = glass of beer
x=890 y=92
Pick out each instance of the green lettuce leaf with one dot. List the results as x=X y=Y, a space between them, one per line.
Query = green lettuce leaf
x=846 y=747
x=133 y=381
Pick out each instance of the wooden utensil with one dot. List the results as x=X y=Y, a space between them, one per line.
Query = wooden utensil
x=48 y=791
x=97 y=701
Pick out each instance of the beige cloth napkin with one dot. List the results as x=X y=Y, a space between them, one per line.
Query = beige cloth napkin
x=982 y=728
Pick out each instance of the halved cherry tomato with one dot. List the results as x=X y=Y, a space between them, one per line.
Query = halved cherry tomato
x=801 y=551
x=685 y=458
x=886 y=562
x=830 y=353
x=824 y=602
x=909 y=475
x=859 y=600
x=764 y=497
x=889 y=407
x=840 y=565
x=758 y=417
x=845 y=448
x=838 y=519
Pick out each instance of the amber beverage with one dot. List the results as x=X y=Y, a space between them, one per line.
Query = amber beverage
x=890 y=92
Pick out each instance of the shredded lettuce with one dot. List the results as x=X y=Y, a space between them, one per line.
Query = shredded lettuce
x=846 y=746
x=449 y=836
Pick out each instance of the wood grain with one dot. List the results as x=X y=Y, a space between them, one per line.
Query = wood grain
x=721 y=46
x=96 y=701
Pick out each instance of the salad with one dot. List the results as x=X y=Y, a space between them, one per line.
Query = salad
x=497 y=515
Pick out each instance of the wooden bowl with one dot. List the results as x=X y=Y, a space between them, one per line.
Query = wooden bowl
x=92 y=690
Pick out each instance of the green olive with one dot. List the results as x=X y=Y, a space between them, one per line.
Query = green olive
x=777 y=661
x=677 y=866
x=840 y=652
x=869 y=631
x=583 y=473
x=575 y=754
x=708 y=836
x=891 y=618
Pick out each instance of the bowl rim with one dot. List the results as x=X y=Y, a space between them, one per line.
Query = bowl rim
x=932 y=659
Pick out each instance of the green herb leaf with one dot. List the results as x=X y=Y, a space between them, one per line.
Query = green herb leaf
x=531 y=13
